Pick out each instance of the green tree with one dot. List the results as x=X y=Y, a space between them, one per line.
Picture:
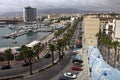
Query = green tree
x=109 y=45
x=118 y=57
x=52 y=49
x=28 y=54
x=115 y=45
x=59 y=46
x=36 y=49
x=8 y=55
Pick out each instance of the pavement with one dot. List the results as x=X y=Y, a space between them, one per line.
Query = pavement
x=81 y=75
x=84 y=75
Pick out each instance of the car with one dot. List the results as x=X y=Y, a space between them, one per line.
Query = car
x=78 y=64
x=25 y=64
x=76 y=68
x=6 y=67
x=70 y=75
x=63 y=78
x=74 y=52
x=48 y=55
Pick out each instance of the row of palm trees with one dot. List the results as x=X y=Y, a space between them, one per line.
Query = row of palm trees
x=27 y=53
x=109 y=44
x=61 y=43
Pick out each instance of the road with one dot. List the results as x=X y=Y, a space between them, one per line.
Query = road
x=24 y=70
x=37 y=66
x=51 y=72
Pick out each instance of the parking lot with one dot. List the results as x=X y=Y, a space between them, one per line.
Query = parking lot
x=81 y=74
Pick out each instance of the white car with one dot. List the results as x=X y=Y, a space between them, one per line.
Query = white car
x=70 y=75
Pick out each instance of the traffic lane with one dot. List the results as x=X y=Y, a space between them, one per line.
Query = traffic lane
x=51 y=72
x=24 y=70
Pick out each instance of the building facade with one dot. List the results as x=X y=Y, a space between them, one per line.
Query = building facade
x=91 y=26
x=30 y=14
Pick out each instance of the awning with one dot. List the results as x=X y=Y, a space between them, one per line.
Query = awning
x=99 y=66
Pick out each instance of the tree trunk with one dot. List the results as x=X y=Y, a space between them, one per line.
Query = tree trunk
x=38 y=57
x=118 y=60
x=62 y=51
x=8 y=62
x=108 y=54
x=30 y=66
x=105 y=54
x=115 y=58
x=52 y=57
x=59 y=55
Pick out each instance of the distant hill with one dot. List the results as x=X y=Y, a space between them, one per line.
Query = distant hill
x=50 y=11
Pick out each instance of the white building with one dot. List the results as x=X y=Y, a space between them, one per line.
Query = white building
x=117 y=30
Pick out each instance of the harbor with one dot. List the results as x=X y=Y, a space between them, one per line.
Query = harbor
x=17 y=36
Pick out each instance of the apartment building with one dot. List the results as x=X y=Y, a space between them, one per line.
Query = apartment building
x=117 y=30
x=111 y=27
x=91 y=25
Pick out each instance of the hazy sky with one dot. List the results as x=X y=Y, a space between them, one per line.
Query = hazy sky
x=18 y=5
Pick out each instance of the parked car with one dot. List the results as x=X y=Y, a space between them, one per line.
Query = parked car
x=6 y=67
x=63 y=78
x=70 y=75
x=78 y=64
x=25 y=64
x=74 y=52
x=48 y=55
x=77 y=59
x=76 y=68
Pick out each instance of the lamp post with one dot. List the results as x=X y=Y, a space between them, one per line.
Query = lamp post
x=93 y=63
x=104 y=73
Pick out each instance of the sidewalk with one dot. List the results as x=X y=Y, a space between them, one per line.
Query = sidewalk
x=85 y=74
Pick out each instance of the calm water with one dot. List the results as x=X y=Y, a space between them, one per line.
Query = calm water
x=21 y=39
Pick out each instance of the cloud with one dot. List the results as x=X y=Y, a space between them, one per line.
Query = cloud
x=18 y=5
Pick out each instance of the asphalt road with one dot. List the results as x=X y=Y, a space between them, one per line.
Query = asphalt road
x=24 y=70
x=51 y=72
x=37 y=65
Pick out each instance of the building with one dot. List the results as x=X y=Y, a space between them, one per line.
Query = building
x=91 y=26
x=117 y=30
x=53 y=16
x=29 y=14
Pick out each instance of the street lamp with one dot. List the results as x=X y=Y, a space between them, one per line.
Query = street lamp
x=104 y=73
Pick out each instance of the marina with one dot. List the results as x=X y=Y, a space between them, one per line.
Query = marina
x=10 y=37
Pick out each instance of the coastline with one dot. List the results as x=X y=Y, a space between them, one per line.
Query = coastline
x=15 y=47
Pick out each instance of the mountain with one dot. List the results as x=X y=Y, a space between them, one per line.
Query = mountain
x=49 y=11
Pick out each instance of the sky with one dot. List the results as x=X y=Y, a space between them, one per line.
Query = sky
x=18 y=5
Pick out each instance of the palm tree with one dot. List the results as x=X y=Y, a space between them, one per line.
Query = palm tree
x=105 y=39
x=118 y=59
x=115 y=45
x=99 y=35
x=63 y=42
x=102 y=40
x=28 y=54
x=22 y=52
x=36 y=49
x=66 y=40
x=109 y=46
x=59 y=46
x=52 y=49
x=8 y=55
